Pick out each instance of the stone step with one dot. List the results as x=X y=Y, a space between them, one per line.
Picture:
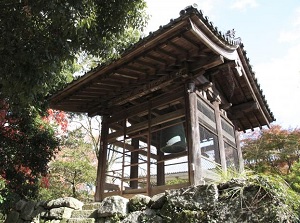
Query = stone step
x=81 y=220
x=91 y=206
x=84 y=214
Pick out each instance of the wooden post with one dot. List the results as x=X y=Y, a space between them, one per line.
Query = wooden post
x=239 y=150
x=101 y=169
x=149 y=151
x=160 y=169
x=134 y=159
x=194 y=138
x=220 y=136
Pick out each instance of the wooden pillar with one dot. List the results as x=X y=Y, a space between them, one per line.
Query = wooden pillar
x=194 y=138
x=148 y=186
x=220 y=136
x=101 y=169
x=160 y=169
x=134 y=159
x=239 y=150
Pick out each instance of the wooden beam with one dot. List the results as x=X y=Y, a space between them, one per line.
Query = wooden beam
x=147 y=88
x=142 y=108
x=131 y=148
x=206 y=64
x=245 y=107
x=144 y=125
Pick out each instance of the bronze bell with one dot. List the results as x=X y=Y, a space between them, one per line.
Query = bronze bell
x=172 y=139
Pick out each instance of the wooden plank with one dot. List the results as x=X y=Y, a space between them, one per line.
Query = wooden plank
x=112 y=187
x=195 y=148
x=142 y=108
x=220 y=136
x=135 y=191
x=173 y=156
x=144 y=125
x=160 y=172
x=147 y=88
x=245 y=107
x=131 y=148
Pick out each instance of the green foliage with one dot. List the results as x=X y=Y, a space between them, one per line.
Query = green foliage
x=278 y=188
x=73 y=172
x=294 y=177
x=268 y=197
x=2 y=189
x=273 y=150
x=176 y=181
x=39 y=38
x=39 y=45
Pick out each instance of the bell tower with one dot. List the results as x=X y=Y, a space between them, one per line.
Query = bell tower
x=172 y=106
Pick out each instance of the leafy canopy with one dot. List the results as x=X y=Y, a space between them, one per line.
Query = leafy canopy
x=73 y=172
x=39 y=39
x=39 y=44
x=272 y=150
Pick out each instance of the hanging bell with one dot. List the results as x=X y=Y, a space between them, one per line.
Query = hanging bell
x=172 y=139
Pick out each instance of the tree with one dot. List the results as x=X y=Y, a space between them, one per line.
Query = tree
x=272 y=150
x=27 y=144
x=42 y=38
x=73 y=172
x=39 y=45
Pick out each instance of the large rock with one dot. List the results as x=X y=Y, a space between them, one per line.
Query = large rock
x=113 y=206
x=138 y=202
x=12 y=217
x=20 y=205
x=69 y=202
x=150 y=216
x=133 y=217
x=157 y=201
x=27 y=211
x=60 y=213
x=38 y=212
x=242 y=201
x=202 y=197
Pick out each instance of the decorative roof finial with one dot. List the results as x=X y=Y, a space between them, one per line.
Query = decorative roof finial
x=230 y=35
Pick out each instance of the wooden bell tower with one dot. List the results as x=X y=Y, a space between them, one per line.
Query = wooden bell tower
x=172 y=108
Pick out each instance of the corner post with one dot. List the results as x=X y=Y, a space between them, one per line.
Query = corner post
x=101 y=169
x=195 y=169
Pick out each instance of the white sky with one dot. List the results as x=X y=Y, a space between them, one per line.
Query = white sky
x=270 y=32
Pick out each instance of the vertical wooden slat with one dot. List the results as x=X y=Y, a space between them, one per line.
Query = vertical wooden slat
x=188 y=137
x=160 y=169
x=123 y=158
x=101 y=169
x=134 y=159
x=194 y=142
x=239 y=150
x=149 y=151
x=220 y=136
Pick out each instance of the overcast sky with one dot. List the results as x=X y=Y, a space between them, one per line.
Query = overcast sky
x=270 y=32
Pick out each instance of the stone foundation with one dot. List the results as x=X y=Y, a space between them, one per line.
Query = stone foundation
x=234 y=201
